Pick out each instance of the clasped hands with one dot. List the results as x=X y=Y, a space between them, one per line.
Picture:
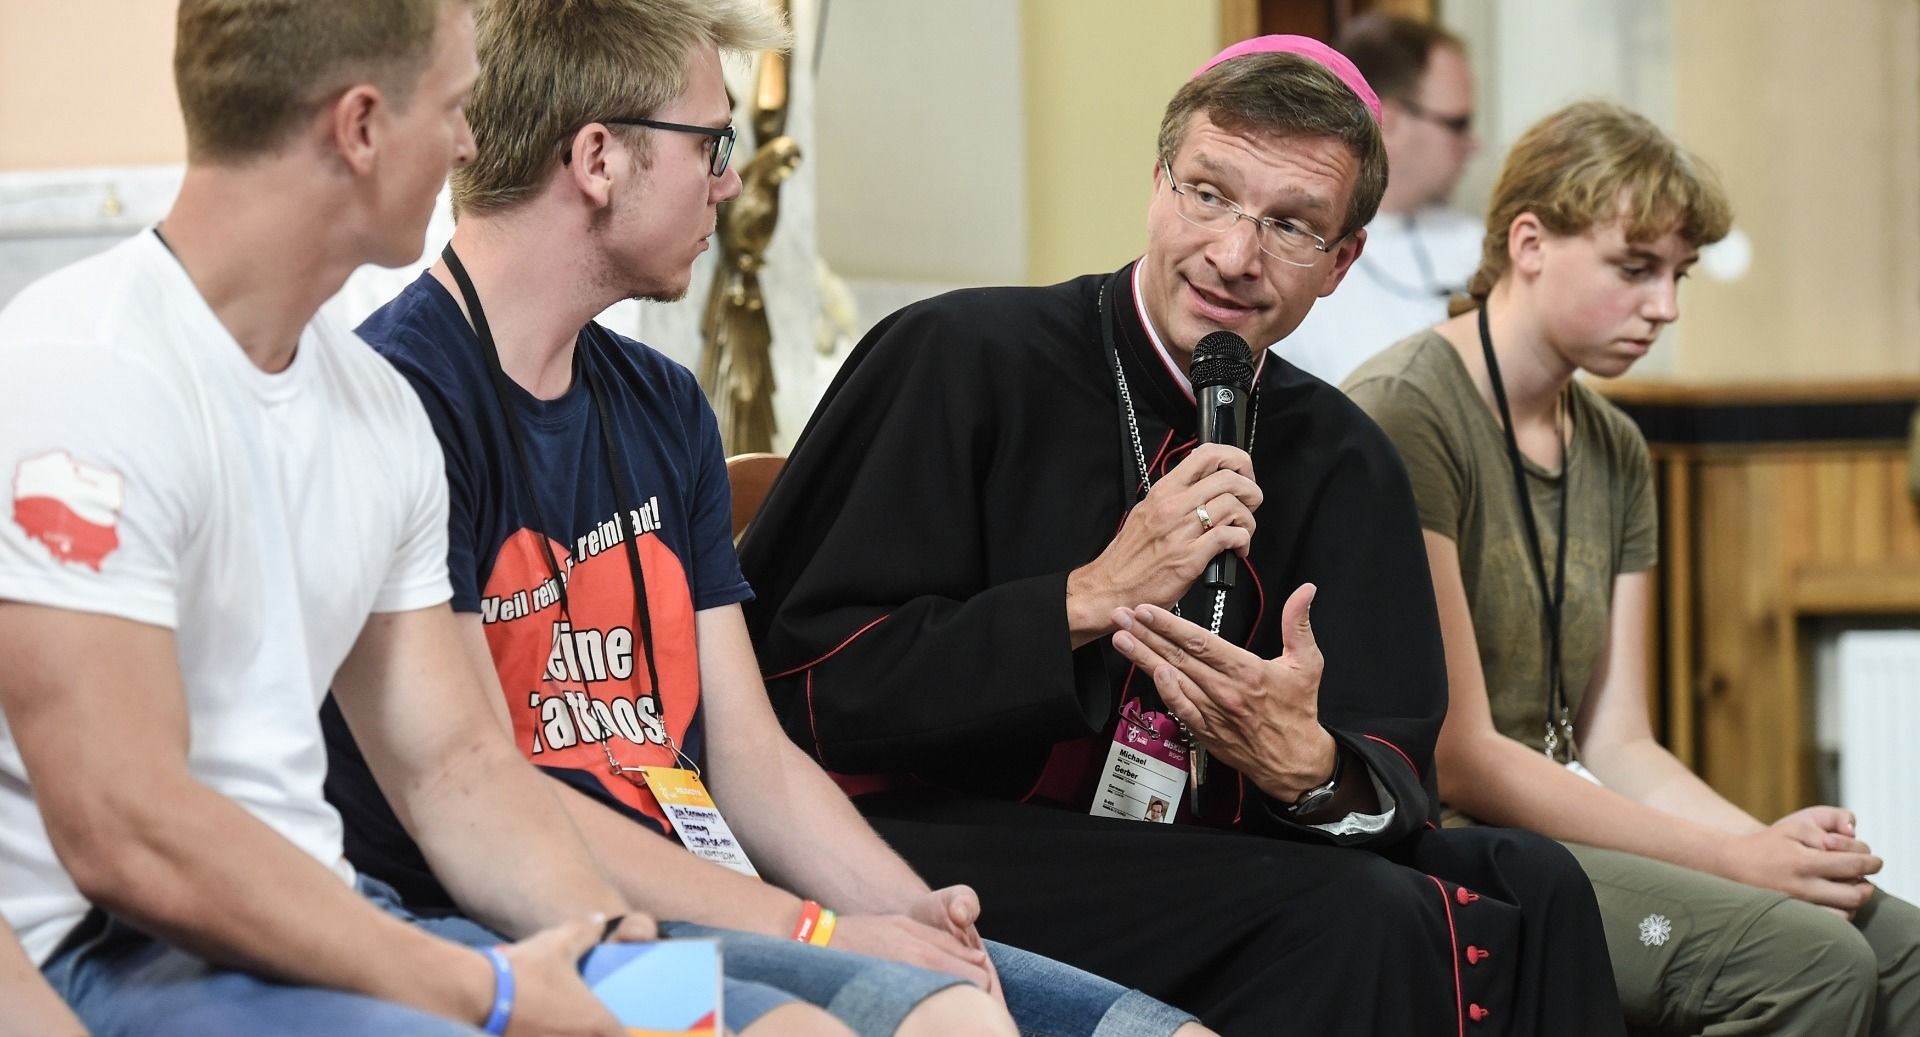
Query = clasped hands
x=1813 y=855
x=1259 y=716
x=937 y=931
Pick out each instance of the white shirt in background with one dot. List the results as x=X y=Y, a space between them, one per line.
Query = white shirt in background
x=1399 y=285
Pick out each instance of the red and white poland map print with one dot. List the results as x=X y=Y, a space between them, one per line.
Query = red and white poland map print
x=69 y=506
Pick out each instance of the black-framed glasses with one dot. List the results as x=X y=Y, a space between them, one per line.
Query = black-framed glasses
x=1458 y=125
x=1284 y=240
x=721 y=142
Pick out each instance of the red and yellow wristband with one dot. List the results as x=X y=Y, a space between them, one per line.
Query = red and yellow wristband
x=816 y=924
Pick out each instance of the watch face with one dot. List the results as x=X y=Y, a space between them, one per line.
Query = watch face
x=1315 y=798
x=1312 y=800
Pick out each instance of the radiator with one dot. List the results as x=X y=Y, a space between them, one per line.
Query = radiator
x=1879 y=693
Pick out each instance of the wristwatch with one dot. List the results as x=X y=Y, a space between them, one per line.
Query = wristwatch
x=1319 y=795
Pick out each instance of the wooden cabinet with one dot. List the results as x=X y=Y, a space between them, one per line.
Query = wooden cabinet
x=1780 y=505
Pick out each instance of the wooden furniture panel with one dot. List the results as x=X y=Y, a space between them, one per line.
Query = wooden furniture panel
x=1778 y=537
x=1780 y=504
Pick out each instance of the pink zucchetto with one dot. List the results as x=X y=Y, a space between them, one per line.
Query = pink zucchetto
x=1306 y=47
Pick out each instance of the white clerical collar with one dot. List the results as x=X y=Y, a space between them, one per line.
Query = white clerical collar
x=1159 y=347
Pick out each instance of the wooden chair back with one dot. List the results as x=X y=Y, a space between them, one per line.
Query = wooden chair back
x=752 y=476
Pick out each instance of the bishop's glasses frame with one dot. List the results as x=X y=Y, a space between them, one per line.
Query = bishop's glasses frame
x=1284 y=240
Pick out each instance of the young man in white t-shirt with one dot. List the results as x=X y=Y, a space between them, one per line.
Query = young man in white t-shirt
x=217 y=506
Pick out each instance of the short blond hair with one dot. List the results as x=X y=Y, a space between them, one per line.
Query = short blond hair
x=1589 y=164
x=549 y=67
x=250 y=73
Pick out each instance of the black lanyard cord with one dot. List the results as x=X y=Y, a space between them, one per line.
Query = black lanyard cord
x=625 y=500
x=623 y=497
x=1552 y=600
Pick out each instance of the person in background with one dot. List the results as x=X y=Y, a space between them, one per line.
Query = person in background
x=1419 y=250
x=1537 y=503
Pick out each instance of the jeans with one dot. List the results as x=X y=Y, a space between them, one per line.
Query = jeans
x=869 y=995
x=1046 y=998
x=121 y=981
x=1051 y=999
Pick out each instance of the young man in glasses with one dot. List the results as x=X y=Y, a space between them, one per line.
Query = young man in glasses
x=967 y=575
x=1420 y=251
x=220 y=505
x=591 y=543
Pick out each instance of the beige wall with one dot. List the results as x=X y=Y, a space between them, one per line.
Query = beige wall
x=87 y=83
x=919 y=157
x=1811 y=112
x=1099 y=73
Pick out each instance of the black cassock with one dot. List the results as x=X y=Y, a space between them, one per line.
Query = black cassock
x=911 y=567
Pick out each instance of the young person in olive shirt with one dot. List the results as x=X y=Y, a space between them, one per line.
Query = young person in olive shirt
x=1716 y=922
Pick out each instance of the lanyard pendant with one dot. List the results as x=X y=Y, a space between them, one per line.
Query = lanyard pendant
x=1197 y=766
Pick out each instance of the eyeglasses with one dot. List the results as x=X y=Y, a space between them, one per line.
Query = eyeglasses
x=1458 y=125
x=1284 y=240
x=721 y=144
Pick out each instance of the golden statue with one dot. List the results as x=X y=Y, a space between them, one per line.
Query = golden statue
x=736 y=363
x=736 y=367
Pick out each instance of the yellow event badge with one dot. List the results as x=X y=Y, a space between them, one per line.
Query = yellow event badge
x=695 y=817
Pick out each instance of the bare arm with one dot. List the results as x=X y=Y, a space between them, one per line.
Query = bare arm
x=805 y=833
x=414 y=702
x=1501 y=781
x=172 y=856
x=1617 y=742
x=797 y=825
x=659 y=876
x=33 y=1009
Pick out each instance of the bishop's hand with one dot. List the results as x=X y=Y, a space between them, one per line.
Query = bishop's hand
x=1260 y=716
x=1202 y=507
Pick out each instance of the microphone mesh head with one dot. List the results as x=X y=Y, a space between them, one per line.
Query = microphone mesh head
x=1222 y=358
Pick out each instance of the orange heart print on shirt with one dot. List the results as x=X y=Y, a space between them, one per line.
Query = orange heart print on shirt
x=576 y=684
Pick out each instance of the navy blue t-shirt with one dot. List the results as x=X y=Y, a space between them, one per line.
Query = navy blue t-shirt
x=576 y=683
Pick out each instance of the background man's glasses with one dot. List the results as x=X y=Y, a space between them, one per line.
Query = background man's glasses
x=1284 y=240
x=1458 y=125
x=720 y=146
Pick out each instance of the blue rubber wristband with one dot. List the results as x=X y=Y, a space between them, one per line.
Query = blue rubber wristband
x=502 y=990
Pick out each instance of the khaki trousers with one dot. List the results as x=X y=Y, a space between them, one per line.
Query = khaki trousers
x=1697 y=954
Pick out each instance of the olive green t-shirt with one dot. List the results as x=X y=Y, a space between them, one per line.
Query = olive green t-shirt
x=1420 y=393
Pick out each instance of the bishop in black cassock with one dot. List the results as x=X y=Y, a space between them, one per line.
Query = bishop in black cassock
x=912 y=566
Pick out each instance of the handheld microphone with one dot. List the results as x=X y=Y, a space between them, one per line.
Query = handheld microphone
x=1222 y=380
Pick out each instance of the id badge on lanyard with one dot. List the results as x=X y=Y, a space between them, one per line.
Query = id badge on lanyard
x=1146 y=773
x=684 y=797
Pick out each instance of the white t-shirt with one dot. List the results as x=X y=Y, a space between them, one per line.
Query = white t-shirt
x=153 y=473
x=1398 y=286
